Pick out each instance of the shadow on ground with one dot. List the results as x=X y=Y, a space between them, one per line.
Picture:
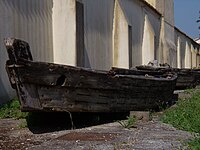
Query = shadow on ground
x=56 y=121
x=51 y=122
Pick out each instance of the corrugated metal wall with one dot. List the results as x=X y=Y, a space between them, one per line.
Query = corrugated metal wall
x=98 y=24
x=30 y=20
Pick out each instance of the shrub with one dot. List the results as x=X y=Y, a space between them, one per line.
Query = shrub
x=12 y=110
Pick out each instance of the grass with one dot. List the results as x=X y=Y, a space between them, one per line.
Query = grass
x=23 y=124
x=12 y=110
x=195 y=144
x=129 y=123
x=186 y=116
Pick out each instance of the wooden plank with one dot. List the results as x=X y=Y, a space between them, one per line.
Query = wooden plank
x=53 y=87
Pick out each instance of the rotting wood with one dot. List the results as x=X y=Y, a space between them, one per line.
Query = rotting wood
x=187 y=78
x=45 y=86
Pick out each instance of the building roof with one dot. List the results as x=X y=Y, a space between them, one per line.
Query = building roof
x=151 y=7
x=194 y=41
x=197 y=40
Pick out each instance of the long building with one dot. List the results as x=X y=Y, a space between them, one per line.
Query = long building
x=95 y=34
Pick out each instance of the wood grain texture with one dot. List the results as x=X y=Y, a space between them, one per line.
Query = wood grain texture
x=187 y=78
x=52 y=87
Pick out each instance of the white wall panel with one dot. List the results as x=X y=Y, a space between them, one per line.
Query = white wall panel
x=64 y=31
x=30 y=20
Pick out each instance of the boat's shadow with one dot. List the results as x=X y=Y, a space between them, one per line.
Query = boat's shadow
x=51 y=122
x=42 y=122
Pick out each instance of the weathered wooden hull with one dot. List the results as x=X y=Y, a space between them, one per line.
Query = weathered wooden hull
x=135 y=71
x=197 y=75
x=51 y=87
x=187 y=78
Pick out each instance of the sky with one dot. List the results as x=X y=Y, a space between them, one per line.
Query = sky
x=186 y=13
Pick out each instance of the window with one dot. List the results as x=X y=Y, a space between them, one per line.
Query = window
x=80 y=34
x=130 y=45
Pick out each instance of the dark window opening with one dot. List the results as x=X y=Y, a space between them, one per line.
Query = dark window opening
x=80 y=34
x=130 y=45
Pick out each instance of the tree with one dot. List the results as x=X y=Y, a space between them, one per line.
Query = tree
x=198 y=21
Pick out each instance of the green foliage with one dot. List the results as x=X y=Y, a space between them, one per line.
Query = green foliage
x=195 y=144
x=23 y=124
x=186 y=115
x=129 y=123
x=12 y=110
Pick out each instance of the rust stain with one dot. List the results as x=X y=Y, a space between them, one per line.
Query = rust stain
x=88 y=136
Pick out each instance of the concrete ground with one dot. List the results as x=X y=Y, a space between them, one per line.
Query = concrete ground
x=152 y=135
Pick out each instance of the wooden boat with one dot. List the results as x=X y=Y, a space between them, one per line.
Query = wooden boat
x=134 y=71
x=187 y=78
x=45 y=86
x=196 y=71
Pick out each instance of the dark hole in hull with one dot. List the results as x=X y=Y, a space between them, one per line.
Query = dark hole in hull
x=61 y=80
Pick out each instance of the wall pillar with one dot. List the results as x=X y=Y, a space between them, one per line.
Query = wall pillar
x=120 y=38
x=148 y=47
x=194 y=57
x=179 y=53
x=188 y=56
x=64 y=32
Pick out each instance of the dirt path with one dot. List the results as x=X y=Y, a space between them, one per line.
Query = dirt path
x=151 y=135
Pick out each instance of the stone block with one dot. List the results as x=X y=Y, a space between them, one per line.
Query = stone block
x=141 y=115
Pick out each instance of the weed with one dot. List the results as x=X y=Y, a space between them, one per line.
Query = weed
x=12 y=110
x=195 y=144
x=186 y=115
x=23 y=124
x=129 y=123
x=189 y=91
